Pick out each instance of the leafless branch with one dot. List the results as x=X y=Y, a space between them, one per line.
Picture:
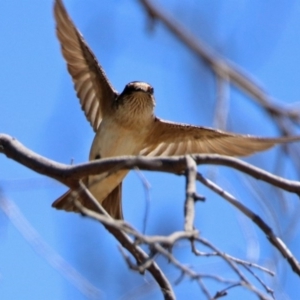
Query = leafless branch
x=130 y=238
x=158 y=245
x=70 y=174
x=268 y=289
x=222 y=67
x=189 y=207
x=232 y=264
x=236 y=260
x=113 y=226
x=275 y=240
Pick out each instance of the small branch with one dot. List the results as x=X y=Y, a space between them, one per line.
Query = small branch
x=224 y=293
x=244 y=281
x=189 y=207
x=222 y=67
x=268 y=289
x=246 y=264
x=275 y=240
x=103 y=217
x=141 y=268
x=236 y=260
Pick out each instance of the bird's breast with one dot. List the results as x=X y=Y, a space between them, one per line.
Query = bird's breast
x=113 y=139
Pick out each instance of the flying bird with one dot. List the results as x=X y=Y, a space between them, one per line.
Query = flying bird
x=125 y=123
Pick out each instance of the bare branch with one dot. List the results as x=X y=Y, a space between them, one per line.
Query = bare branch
x=244 y=281
x=268 y=289
x=275 y=240
x=113 y=226
x=236 y=260
x=189 y=207
x=223 y=68
x=224 y=293
x=70 y=175
x=157 y=245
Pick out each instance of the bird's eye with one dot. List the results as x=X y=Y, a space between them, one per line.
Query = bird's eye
x=150 y=90
x=129 y=88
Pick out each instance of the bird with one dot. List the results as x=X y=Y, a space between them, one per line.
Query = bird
x=125 y=123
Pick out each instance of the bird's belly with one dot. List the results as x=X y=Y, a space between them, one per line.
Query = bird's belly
x=115 y=146
x=109 y=145
x=112 y=140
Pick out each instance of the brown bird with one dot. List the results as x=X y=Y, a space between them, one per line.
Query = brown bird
x=125 y=123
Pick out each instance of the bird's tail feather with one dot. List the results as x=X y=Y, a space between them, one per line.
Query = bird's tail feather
x=112 y=203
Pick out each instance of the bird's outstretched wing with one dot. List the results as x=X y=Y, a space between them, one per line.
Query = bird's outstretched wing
x=170 y=139
x=95 y=92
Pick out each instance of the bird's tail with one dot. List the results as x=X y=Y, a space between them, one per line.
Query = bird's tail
x=112 y=203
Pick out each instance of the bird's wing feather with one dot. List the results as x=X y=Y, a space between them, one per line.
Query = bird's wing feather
x=166 y=138
x=95 y=92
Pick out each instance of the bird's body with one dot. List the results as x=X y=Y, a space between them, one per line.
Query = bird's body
x=125 y=123
x=119 y=135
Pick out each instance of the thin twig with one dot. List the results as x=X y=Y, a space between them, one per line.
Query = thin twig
x=236 y=260
x=244 y=281
x=268 y=289
x=275 y=240
x=222 y=67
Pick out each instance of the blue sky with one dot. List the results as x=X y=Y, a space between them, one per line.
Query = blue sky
x=39 y=107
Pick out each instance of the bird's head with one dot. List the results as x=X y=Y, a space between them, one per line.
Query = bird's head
x=138 y=87
x=137 y=100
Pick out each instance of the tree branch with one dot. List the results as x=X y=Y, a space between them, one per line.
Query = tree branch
x=116 y=228
x=222 y=67
x=158 y=245
x=275 y=240
x=71 y=174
